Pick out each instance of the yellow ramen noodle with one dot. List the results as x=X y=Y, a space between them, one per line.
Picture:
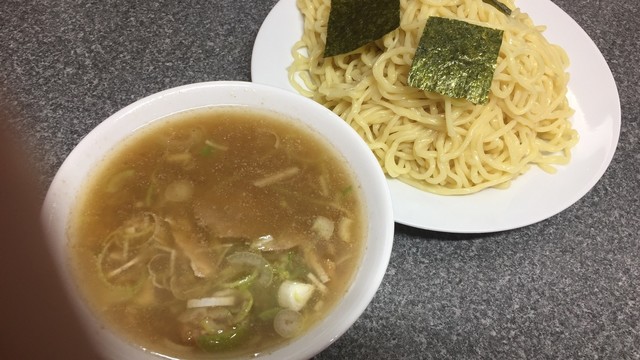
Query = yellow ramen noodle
x=430 y=141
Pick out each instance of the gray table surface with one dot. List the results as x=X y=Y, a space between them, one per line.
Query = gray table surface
x=567 y=287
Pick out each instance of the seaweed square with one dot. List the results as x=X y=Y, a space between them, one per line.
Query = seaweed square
x=354 y=23
x=456 y=58
x=500 y=6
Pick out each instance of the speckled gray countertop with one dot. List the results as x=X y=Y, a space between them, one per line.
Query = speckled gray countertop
x=565 y=288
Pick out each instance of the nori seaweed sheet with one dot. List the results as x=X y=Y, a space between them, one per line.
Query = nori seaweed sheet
x=354 y=23
x=500 y=6
x=456 y=59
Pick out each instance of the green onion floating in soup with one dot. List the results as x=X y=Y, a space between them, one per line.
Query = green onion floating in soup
x=222 y=231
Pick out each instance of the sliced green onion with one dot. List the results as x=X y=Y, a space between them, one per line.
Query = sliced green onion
x=269 y=314
x=287 y=323
x=246 y=306
x=222 y=340
x=161 y=268
x=294 y=295
x=244 y=281
x=346 y=191
x=265 y=273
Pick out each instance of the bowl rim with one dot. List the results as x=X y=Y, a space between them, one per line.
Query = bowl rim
x=94 y=146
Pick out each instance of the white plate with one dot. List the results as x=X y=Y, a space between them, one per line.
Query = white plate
x=535 y=195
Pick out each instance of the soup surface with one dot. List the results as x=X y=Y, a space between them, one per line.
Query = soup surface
x=220 y=230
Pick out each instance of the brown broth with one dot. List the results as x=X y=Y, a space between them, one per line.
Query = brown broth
x=235 y=177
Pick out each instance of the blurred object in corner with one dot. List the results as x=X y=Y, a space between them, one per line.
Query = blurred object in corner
x=38 y=321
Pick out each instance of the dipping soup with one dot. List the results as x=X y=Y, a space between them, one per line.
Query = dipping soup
x=221 y=230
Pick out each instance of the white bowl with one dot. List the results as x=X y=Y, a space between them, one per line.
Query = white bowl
x=65 y=187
